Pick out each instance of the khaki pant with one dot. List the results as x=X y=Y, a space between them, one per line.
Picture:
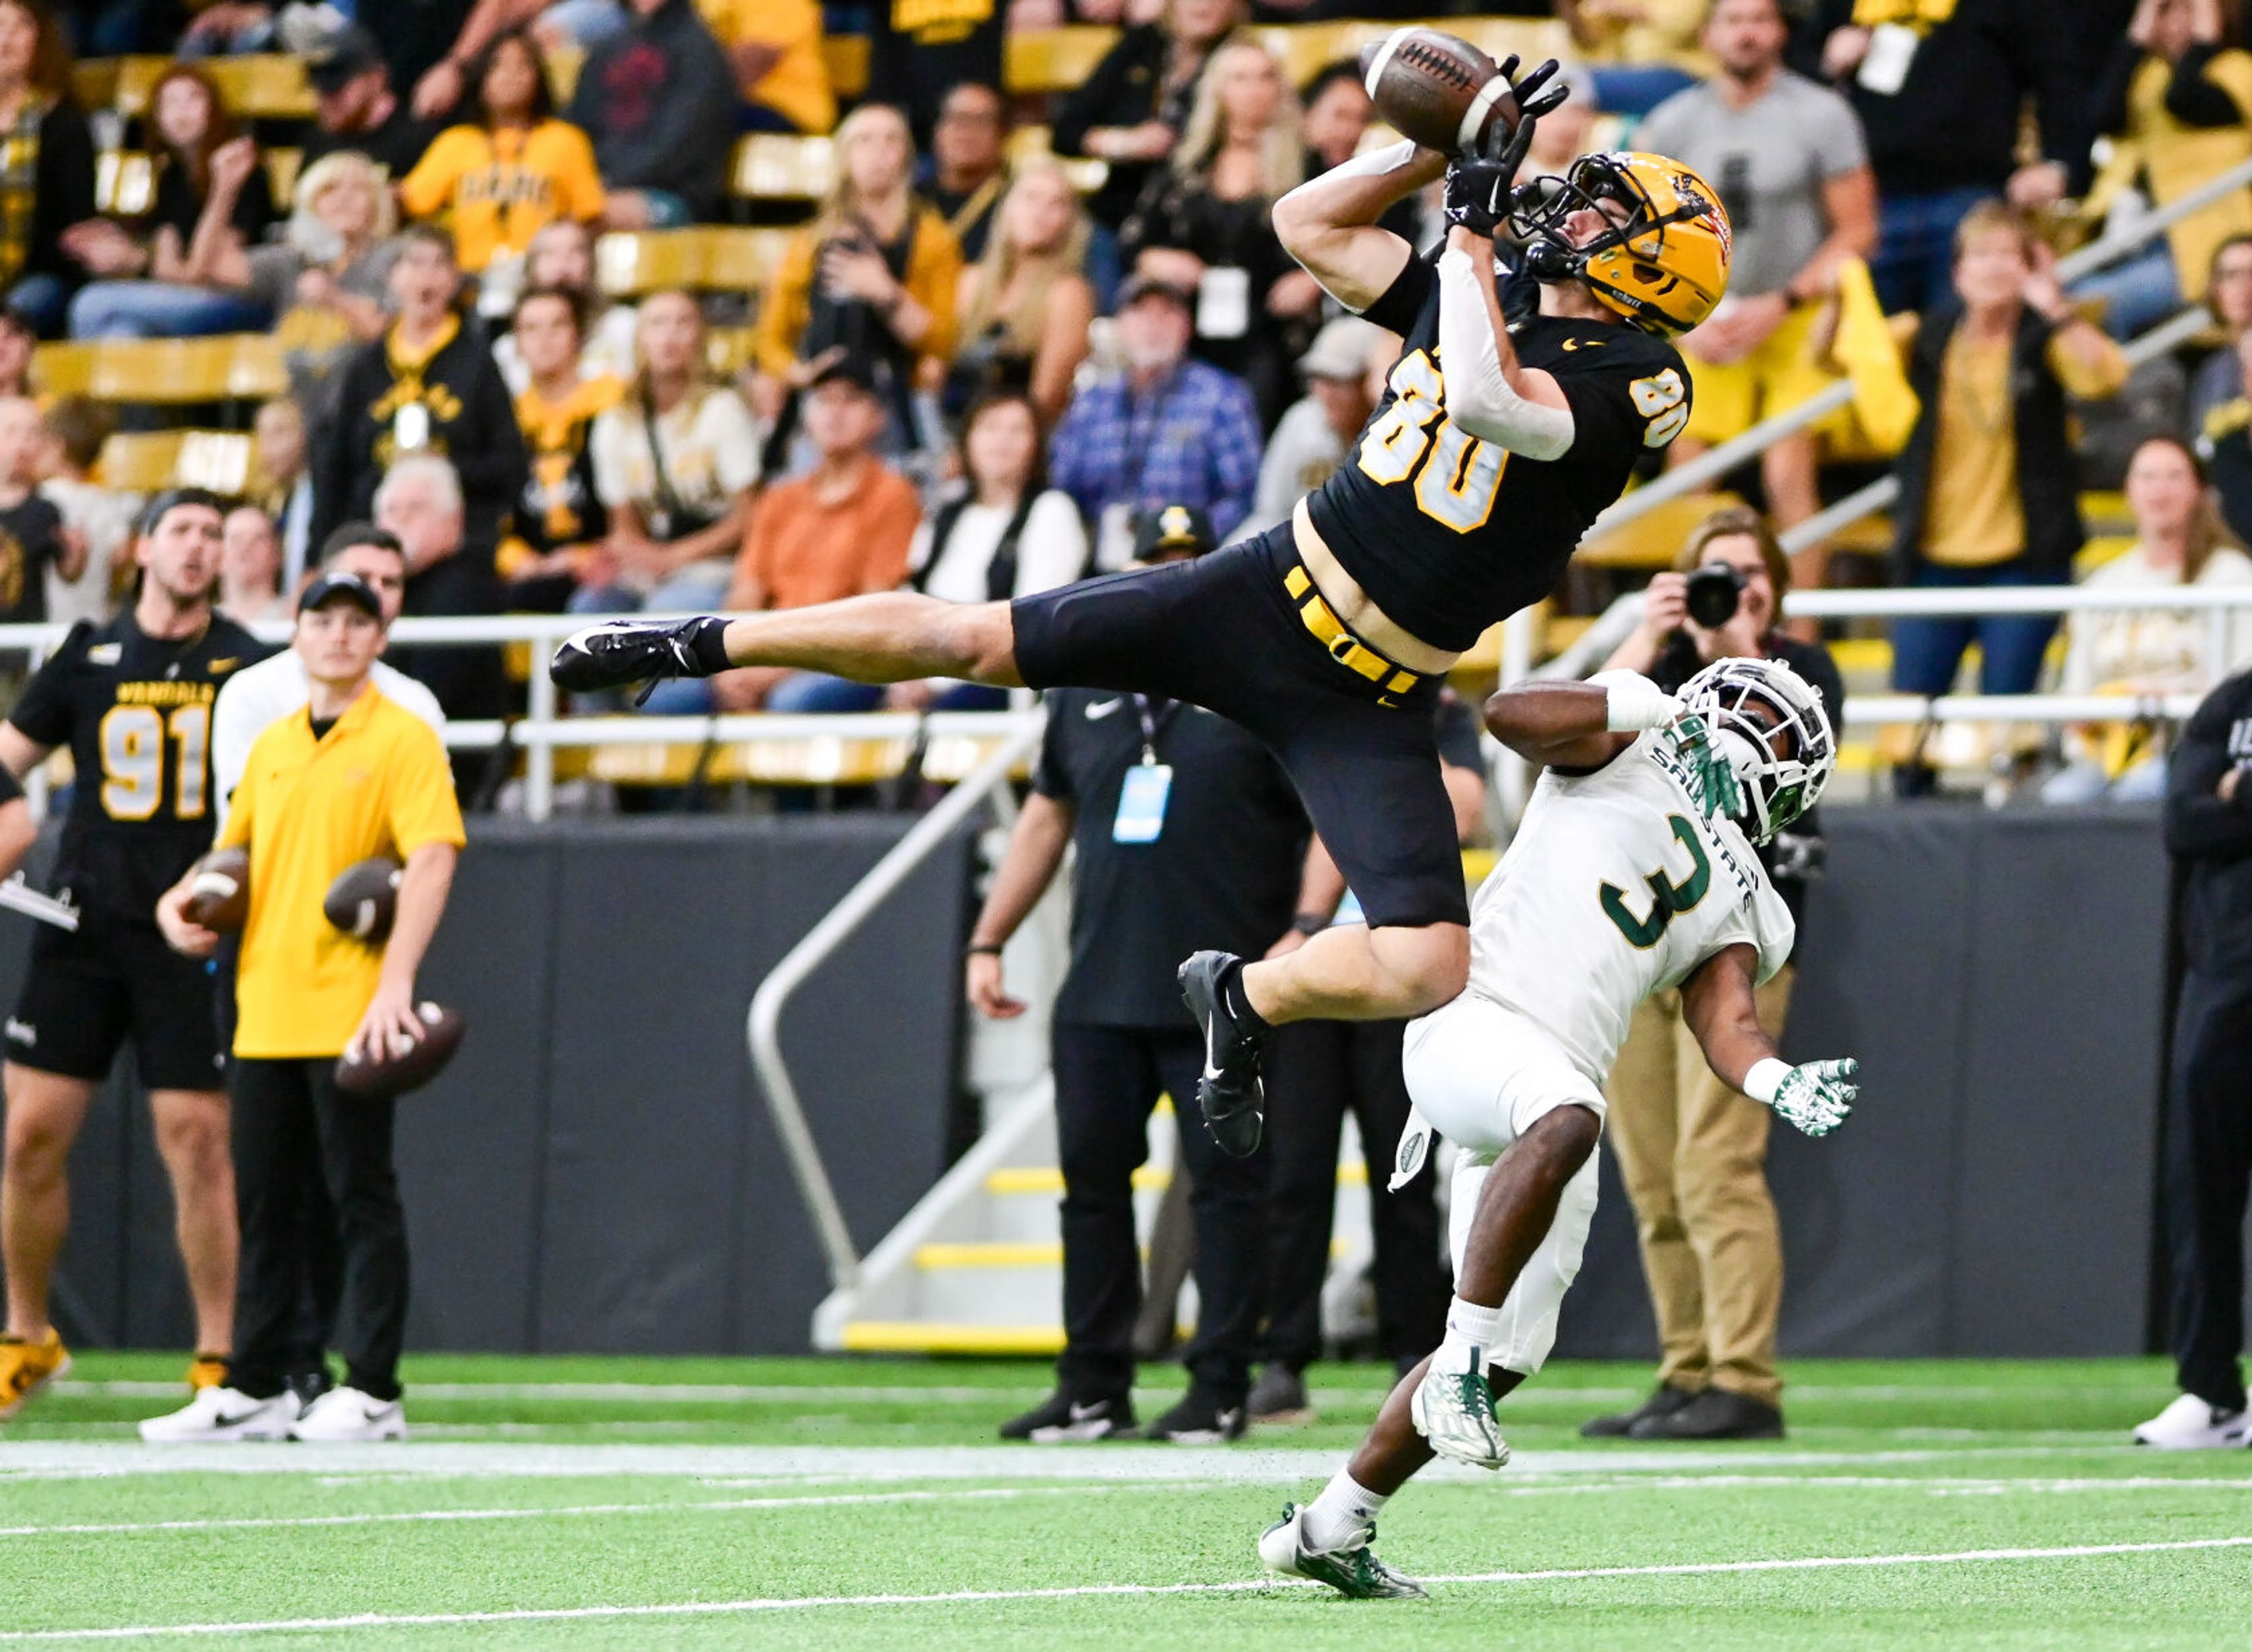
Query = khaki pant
x=1693 y=1156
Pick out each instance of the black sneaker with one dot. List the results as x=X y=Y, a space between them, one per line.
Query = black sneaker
x=617 y=652
x=1228 y=1092
x=1060 y=1418
x=1664 y=1399
x=1200 y=1418
x=1279 y=1396
x=1714 y=1414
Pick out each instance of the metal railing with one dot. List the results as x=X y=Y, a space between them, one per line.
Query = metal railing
x=1696 y=474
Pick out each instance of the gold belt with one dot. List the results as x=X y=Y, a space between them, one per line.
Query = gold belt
x=1342 y=645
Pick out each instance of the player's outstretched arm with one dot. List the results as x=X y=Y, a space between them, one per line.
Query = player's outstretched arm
x=1718 y=1006
x=1328 y=223
x=1579 y=725
x=1489 y=393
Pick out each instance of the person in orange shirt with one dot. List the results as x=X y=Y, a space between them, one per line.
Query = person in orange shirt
x=512 y=169
x=843 y=529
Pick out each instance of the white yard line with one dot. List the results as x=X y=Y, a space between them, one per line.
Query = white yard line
x=729 y=1506
x=981 y=1597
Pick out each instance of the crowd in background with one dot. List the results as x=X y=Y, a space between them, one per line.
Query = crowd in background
x=965 y=374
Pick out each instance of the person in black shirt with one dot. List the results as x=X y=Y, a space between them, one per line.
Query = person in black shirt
x=132 y=700
x=2207 y=1140
x=1185 y=828
x=32 y=535
x=1328 y=636
x=917 y=49
x=968 y=169
x=358 y=105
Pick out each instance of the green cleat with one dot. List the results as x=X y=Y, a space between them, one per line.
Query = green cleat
x=1351 y=1571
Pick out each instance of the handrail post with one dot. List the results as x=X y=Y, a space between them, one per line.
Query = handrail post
x=763 y=1024
x=540 y=754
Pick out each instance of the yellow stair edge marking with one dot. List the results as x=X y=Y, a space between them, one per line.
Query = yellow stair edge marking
x=908 y=1336
x=1040 y=1179
x=989 y=1255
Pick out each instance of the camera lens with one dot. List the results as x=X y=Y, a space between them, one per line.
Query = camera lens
x=1713 y=594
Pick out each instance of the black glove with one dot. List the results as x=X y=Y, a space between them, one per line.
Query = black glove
x=1479 y=184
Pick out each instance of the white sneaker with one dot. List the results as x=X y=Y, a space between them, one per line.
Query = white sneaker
x=2192 y=1425
x=1453 y=1410
x=222 y=1414
x=348 y=1416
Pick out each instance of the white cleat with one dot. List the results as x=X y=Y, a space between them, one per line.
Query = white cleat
x=221 y=1415
x=2192 y=1425
x=1453 y=1410
x=346 y=1416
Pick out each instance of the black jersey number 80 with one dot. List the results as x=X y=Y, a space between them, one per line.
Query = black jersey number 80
x=1458 y=485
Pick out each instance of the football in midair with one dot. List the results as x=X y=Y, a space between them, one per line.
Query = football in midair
x=385 y=1074
x=1442 y=92
x=364 y=897
x=219 y=891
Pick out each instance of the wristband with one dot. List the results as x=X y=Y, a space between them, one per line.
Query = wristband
x=1309 y=923
x=992 y=951
x=1765 y=1079
x=1633 y=703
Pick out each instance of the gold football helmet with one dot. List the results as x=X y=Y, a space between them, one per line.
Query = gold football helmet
x=1662 y=268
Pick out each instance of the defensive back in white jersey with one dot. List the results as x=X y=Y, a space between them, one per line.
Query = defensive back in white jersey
x=1617 y=887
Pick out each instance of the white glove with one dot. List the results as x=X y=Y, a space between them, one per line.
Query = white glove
x=1633 y=703
x=1814 y=1097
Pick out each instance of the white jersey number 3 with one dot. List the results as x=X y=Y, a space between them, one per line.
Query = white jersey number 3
x=1458 y=484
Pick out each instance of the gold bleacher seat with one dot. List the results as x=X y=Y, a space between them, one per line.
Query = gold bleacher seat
x=282 y=166
x=706 y=259
x=1653 y=541
x=728 y=351
x=780 y=166
x=847 y=58
x=228 y=367
x=142 y=461
x=257 y=86
x=821 y=760
x=1054 y=59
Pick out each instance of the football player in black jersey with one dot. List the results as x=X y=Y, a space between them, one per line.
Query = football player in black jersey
x=1328 y=636
x=132 y=699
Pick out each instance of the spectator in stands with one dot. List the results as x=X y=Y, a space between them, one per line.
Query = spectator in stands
x=19 y=337
x=1132 y=109
x=101 y=520
x=510 y=168
x=281 y=485
x=1203 y=224
x=1939 y=91
x=1026 y=305
x=1009 y=535
x=1639 y=52
x=1692 y=1151
x=969 y=169
x=774 y=46
x=658 y=100
x=2179 y=539
x=675 y=462
x=355 y=106
x=1787 y=156
x=1314 y=436
x=1335 y=118
x=1988 y=492
x=2176 y=98
x=250 y=568
x=1562 y=136
x=562 y=256
x=211 y=200
x=49 y=236
x=31 y=536
x=427 y=384
x=558 y=526
x=844 y=529
x=1166 y=430
x=2220 y=376
x=876 y=275
x=449 y=570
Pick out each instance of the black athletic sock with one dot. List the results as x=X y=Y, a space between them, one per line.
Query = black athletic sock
x=1237 y=1002
x=708 y=645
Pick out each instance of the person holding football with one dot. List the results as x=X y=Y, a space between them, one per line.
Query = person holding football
x=1329 y=636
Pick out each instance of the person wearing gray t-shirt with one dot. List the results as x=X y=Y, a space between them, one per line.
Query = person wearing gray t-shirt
x=1788 y=160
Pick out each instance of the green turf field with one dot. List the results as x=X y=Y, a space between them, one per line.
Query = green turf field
x=842 y=1504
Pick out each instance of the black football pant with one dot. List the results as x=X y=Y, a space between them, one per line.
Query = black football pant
x=2207 y=1174
x=1108 y=1080
x=1316 y=1072
x=296 y=1132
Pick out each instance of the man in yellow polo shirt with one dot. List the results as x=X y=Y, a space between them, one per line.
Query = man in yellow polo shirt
x=350 y=776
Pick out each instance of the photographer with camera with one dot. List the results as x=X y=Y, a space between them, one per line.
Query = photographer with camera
x=1692 y=1151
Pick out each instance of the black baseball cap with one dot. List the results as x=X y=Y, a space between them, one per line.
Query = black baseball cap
x=341 y=57
x=1138 y=287
x=1170 y=530
x=852 y=368
x=343 y=538
x=153 y=514
x=336 y=585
